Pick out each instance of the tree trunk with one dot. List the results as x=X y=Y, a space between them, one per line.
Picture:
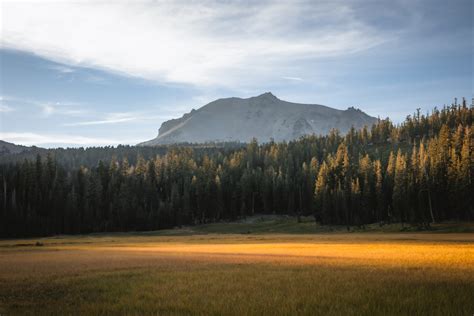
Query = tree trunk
x=431 y=208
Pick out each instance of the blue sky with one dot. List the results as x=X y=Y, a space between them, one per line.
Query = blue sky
x=102 y=73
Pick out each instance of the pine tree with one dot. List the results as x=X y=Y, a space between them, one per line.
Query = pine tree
x=379 y=196
x=321 y=193
x=424 y=193
x=400 y=187
x=355 y=202
x=465 y=176
x=366 y=176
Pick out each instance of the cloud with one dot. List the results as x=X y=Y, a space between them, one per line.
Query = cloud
x=3 y=107
x=29 y=139
x=47 y=108
x=59 y=108
x=115 y=118
x=65 y=109
x=293 y=78
x=62 y=69
x=201 y=43
x=72 y=73
x=109 y=119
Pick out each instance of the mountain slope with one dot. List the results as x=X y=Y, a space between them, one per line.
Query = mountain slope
x=10 y=148
x=263 y=117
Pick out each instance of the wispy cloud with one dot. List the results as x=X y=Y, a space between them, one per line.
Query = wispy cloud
x=62 y=69
x=5 y=108
x=293 y=78
x=201 y=43
x=112 y=118
x=74 y=73
x=60 y=108
x=47 y=108
x=115 y=118
x=61 y=139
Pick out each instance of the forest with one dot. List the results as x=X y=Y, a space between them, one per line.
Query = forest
x=418 y=172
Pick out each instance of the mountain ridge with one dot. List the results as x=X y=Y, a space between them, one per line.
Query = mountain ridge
x=263 y=117
x=11 y=148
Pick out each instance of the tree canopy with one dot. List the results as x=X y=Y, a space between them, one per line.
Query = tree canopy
x=419 y=171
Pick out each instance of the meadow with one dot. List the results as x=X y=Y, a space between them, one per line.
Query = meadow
x=198 y=271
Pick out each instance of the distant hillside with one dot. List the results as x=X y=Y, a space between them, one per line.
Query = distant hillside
x=10 y=148
x=264 y=117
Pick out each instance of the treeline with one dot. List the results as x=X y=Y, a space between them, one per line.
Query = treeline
x=418 y=172
x=74 y=158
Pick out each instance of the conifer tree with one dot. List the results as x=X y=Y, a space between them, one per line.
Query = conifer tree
x=321 y=193
x=400 y=187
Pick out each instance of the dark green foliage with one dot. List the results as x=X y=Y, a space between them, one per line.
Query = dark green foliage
x=418 y=172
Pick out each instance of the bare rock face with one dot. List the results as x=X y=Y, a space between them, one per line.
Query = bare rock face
x=264 y=117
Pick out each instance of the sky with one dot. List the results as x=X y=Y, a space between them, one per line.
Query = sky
x=96 y=73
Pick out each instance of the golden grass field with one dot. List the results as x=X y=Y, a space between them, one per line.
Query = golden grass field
x=216 y=274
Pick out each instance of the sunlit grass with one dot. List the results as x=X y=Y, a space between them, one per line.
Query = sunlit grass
x=352 y=274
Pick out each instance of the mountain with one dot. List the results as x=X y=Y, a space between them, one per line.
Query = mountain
x=263 y=117
x=10 y=148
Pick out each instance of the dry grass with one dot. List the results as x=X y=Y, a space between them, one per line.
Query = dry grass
x=351 y=274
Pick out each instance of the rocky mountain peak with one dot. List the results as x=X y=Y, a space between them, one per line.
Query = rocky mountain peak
x=264 y=117
x=267 y=96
